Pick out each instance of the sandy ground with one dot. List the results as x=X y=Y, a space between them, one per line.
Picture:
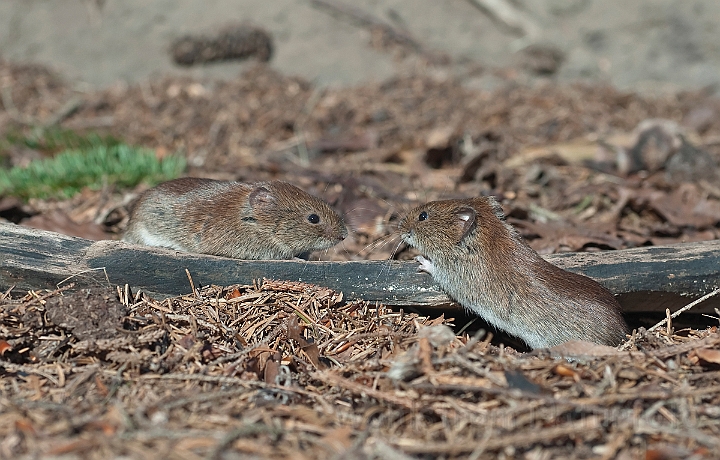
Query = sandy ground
x=640 y=45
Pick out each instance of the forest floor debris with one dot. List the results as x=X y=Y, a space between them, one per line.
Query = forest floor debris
x=283 y=369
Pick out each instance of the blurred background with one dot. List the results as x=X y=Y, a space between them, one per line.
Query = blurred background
x=640 y=45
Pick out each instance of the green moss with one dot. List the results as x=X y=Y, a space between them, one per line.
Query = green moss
x=93 y=165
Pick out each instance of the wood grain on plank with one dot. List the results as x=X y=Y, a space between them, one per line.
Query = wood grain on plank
x=647 y=279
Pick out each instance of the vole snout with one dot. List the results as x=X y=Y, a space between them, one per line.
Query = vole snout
x=332 y=234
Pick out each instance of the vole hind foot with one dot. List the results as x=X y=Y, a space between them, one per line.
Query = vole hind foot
x=425 y=265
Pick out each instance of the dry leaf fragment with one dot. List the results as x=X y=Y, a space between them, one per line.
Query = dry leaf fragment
x=272 y=369
x=73 y=446
x=211 y=352
x=59 y=221
x=708 y=355
x=187 y=341
x=4 y=347
x=310 y=349
x=439 y=138
x=405 y=367
x=26 y=426
x=190 y=443
x=425 y=354
x=101 y=387
x=669 y=452
x=472 y=382
x=565 y=371
x=630 y=374
x=573 y=152
x=339 y=439
x=686 y=206
x=438 y=335
x=108 y=429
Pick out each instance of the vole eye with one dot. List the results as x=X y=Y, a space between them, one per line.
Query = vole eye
x=423 y=216
x=313 y=218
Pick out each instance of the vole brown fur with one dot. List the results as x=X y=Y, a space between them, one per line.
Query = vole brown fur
x=484 y=264
x=266 y=220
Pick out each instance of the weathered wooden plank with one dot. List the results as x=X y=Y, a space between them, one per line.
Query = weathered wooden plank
x=686 y=268
x=160 y=271
x=653 y=278
x=647 y=279
x=35 y=259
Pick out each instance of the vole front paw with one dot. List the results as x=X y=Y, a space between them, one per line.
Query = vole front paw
x=425 y=265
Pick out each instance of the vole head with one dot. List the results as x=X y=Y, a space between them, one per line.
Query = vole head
x=294 y=218
x=439 y=228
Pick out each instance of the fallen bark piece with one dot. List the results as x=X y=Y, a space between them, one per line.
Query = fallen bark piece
x=646 y=279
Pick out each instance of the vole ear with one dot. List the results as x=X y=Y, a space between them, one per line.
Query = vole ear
x=465 y=218
x=260 y=196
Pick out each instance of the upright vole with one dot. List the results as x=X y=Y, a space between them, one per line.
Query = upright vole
x=484 y=264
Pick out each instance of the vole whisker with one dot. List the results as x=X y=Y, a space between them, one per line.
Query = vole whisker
x=380 y=242
x=394 y=251
x=389 y=261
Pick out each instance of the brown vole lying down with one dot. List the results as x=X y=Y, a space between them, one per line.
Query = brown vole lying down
x=266 y=220
x=484 y=264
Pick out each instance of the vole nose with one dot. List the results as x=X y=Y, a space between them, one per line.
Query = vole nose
x=333 y=234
